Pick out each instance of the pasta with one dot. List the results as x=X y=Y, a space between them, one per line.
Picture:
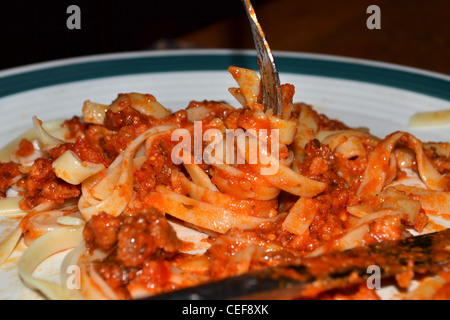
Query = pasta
x=147 y=201
x=430 y=119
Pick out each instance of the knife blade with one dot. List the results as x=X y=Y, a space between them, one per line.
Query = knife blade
x=429 y=252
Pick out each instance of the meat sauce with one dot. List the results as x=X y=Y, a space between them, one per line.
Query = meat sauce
x=138 y=247
x=42 y=185
x=141 y=246
x=8 y=171
x=133 y=253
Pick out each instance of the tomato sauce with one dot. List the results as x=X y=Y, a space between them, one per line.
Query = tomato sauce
x=140 y=246
x=25 y=148
x=8 y=171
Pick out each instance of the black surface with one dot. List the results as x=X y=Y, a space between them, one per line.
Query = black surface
x=36 y=31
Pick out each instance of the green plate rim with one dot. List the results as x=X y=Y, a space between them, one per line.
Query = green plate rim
x=37 y=76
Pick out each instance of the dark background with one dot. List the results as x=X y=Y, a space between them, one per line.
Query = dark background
x=413 y=33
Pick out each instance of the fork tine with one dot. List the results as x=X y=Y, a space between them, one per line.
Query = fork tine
x=270 y=81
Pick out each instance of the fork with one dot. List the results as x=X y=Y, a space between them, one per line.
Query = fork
x=334 y=270
x=270 y=81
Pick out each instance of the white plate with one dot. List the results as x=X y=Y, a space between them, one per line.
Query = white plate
x=360 y=93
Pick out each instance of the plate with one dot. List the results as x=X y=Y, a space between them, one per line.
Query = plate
x=360 y=93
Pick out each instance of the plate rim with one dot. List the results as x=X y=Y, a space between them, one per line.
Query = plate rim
x=39 y=75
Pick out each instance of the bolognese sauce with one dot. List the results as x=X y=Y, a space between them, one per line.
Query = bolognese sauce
x=336 y=187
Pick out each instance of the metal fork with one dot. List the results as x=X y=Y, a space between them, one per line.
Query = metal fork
x=334 y=270
x=270 y=81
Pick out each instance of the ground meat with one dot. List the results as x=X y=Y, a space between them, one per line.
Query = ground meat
x=75 y=128
x=388 y=228
x=156 y=170
x=101 y=231
x=319 y=159
x=134 y=238
x=136 y=247
x=126 y=117
x=41 y=184
x=144 y=236
x=8 y=171
x=114 y=275
x=115 y=143
x=154 y=273
x=84 y=150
